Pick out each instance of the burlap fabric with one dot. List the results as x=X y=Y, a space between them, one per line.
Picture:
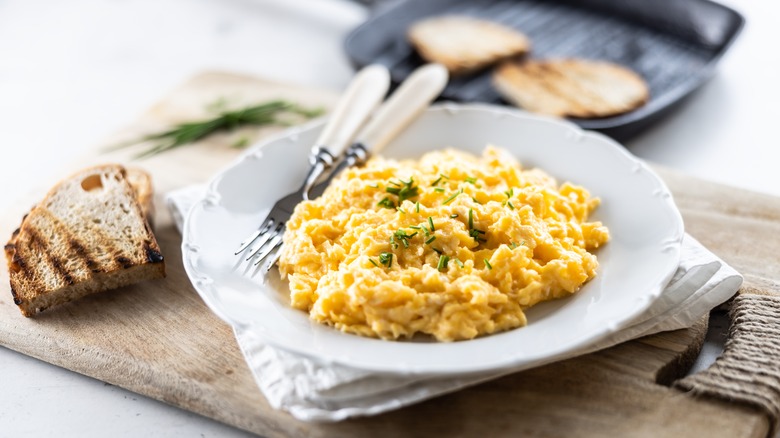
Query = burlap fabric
x=748 y=371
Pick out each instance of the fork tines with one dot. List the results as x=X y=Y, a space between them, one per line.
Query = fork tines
x=263 y=242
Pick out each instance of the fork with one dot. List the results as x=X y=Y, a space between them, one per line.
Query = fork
x=362 y=96
x=403 y=106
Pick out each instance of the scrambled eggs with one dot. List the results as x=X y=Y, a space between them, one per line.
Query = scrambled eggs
x=452 y=245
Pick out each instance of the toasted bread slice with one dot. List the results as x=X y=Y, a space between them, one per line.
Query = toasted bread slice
x=141 y=182
x=87 y=235
x=464 y=44
x=571 y=87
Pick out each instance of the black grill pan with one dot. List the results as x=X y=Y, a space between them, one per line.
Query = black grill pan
x=673 y=44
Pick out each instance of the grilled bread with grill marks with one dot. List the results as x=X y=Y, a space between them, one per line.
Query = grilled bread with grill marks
x=141 y=182
x=89 y=234
x=465 y=44
x=571 y=87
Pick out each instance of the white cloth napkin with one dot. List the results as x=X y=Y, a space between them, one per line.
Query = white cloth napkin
x=312 y=391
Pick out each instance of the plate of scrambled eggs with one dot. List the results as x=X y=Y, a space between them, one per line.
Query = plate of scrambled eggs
x=481 y=239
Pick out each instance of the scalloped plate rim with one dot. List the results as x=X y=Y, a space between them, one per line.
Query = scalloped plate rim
x=206 y=287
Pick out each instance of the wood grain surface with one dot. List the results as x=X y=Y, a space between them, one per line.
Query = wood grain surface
x=160 y=340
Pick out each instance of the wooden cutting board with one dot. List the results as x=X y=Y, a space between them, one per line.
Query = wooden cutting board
x=160 y=340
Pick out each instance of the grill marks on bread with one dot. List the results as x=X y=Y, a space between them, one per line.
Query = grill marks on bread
x=89 y=234
x=571 y=87
x=465 y=44
x=63 y=255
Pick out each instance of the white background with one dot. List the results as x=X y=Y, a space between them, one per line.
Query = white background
x=72 y=72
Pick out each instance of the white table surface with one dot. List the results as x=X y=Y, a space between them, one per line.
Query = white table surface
x=73 y=72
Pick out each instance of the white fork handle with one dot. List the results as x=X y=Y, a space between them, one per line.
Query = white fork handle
x=362 y=96
x=403 y=106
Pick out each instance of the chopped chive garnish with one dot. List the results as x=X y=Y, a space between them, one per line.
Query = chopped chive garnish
x=425 y=230
x=415 y=227
x=430 y=222
x=473 y=232
x=509 y=193
x=417 y=207
x=438 y=190
x=373 y=262
x=458 y=262
x=386 y=203
x=403 y=189
x=476 y=200
x=512 y=245
x=400 y=209
x=407 y=193
x=453 y=216
x=443 y=260
x=471 y=180
x=438 y=251
x=403 y=237
x=476 y=235
x=386 y=258
x=438 y=180
x=453 y=197
x=392 y=241
x=431 y=239
x=487 y=263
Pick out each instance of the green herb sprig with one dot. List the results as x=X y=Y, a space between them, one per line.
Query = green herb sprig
x=189 y=132
x=386 y=203
x=473 y=232
x=403 y=189
x=451 y=198
x=401 y=236
x=509 y=193
x=443 y=261
x=386 y=258
x=438 y=180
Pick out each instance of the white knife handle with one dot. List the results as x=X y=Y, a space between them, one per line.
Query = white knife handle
x=403 y=106
x=362 y=96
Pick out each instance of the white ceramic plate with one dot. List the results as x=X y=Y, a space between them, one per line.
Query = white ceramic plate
x=644 y=252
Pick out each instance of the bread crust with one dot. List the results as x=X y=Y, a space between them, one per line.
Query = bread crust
x=464 y=44
x=141 y=182
x=571 y=87
x=68 y=246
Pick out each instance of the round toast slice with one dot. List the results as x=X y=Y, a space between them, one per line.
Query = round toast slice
x=571 y=87
x=465 y=44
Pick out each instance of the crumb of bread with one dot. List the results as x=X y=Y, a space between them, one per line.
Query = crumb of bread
x=571 y=87
x=89 y=234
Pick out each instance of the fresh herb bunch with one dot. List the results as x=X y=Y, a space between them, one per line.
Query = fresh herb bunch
x=258 y=115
